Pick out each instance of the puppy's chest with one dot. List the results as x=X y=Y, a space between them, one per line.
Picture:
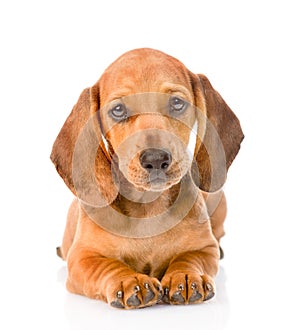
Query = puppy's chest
x=152 y=255
x=189 y=232
x=145 y=210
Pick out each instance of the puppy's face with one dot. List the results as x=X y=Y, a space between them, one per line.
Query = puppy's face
x=148 y=135
x=147 y=115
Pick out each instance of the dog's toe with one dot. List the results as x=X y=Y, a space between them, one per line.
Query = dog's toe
x=209 y=290
x=149 y=295
x=196 y=295
x=133 y=301
x=118 y=302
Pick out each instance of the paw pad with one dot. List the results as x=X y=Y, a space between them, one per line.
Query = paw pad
x=210 y=290
x=118 y=303
x=196 y=295
x=177 y=297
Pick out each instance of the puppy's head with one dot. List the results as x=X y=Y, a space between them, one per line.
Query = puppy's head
x=137 y=123
x=146 y=114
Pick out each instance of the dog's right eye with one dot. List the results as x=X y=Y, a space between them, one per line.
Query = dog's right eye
x=119 y=112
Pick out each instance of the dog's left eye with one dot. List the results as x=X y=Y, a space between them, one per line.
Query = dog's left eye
x=177 y=105
x=119 y=112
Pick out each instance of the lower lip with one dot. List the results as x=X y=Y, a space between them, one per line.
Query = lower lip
x=157 y=181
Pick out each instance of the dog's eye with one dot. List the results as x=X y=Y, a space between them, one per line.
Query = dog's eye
x=177 y=105
x=119 y=112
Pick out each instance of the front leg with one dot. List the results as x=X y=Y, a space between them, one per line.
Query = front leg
x=110 y=280
x=189 y=277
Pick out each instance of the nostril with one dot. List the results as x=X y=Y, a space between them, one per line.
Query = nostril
x=164 y=165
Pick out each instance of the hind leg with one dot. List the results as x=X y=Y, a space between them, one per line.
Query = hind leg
x=70 y=230
x=217 y=209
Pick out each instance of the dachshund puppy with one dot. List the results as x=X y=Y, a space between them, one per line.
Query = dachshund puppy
x=146 y=151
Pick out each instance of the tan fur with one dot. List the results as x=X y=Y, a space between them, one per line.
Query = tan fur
x=109 y=245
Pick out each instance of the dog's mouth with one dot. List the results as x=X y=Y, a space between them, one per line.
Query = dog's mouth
x=157 y=180
x=144 y=180
x=154 y=184
x=157 y=177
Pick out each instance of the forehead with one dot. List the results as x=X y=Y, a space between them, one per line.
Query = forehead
x=144 y=71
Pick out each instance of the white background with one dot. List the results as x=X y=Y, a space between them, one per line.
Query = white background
x=52 y=50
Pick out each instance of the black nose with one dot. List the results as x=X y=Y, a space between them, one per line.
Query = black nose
x=155 y=159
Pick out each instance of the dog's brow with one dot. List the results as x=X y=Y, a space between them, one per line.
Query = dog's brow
x=176 y=88
x=119 y=94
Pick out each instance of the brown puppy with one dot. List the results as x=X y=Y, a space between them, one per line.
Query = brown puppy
x=148 y=215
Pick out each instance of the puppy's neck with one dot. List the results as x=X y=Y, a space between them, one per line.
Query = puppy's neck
x=135 y=203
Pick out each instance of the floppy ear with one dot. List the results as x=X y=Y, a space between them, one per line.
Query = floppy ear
x=79 y=154
x=222 y=138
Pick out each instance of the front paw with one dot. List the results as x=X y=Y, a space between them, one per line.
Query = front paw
x=134 y=292
x=187 y=288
